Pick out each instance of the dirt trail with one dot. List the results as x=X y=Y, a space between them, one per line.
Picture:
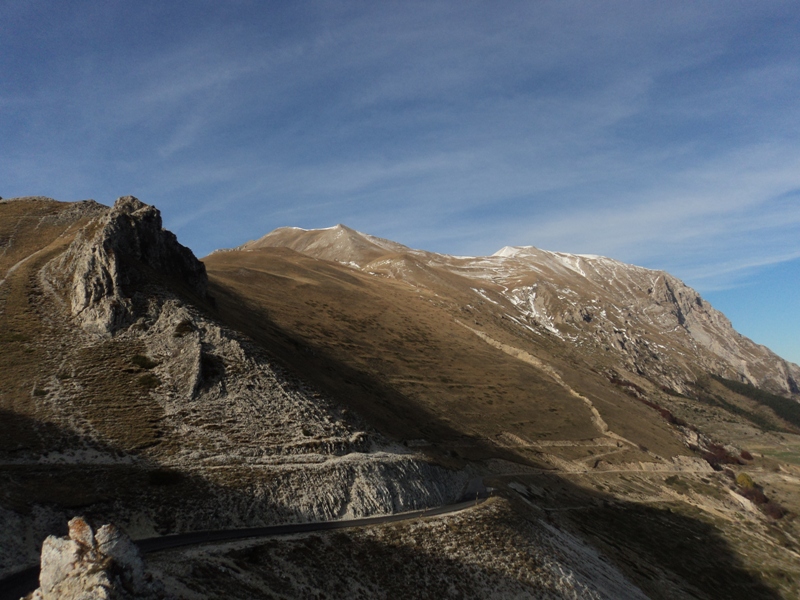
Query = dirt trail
x=30 y=256
x=19 y=264
x=597 y=419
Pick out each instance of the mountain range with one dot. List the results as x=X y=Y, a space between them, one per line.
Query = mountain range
x=636 y=444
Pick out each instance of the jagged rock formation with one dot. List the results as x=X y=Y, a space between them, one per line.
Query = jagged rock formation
x=658 y=326
x=115 y=256
x=99 y=565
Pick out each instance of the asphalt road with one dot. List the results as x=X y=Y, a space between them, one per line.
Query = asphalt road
x=24 y=582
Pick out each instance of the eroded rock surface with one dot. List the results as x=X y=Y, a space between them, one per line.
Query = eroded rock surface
x=102 y=274
x=86 y=565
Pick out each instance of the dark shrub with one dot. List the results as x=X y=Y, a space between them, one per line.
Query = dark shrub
x=755 y=495
x=149 y=381
x=716 y=455
x=144 y=362
x=773 y=510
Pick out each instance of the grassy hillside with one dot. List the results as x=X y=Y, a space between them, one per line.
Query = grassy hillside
x=786 y=408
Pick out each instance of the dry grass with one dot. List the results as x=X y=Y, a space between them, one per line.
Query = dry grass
x=115 y=396
x=398 y=356
x=38 y=343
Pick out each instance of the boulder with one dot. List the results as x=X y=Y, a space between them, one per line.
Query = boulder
x=86 y=565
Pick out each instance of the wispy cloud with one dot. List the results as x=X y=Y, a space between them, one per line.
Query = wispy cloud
x=662 y=134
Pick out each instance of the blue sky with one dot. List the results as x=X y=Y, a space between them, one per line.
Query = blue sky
x=665 y=134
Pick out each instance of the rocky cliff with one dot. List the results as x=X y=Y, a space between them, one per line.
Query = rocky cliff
x=651 y=321
x=105 y=273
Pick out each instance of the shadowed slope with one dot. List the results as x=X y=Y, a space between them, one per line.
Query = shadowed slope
x=115 y=367
x=166 y=420
x=419 y=346
x=513 y=364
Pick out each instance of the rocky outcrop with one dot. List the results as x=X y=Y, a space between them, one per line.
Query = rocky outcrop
x=655 y=324
x=102 y=274
x=207 y=404
x=86 y=565
x=687 y=323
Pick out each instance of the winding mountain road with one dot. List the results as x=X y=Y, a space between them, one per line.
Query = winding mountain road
x=24 y=582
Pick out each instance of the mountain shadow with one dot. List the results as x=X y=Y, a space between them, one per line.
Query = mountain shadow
x=664 y=552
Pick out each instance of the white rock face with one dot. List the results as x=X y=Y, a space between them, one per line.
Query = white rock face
x=88 y=565
x=60 y=558
x=114 y=544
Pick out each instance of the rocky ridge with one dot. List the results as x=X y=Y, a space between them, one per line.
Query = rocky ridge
x=647 y=322
x=115 y=254
x=143 y=378
x=643 y=316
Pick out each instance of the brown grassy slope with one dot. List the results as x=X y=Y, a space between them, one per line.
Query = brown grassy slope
x=405 y=359
x=43 y=353
x=31 y=233
x=27 y=226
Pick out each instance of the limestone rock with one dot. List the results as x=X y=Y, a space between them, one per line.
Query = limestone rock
x=114 y=544
x=81 y=532
x=60 y=558
x=87 y=565
x=124 y=249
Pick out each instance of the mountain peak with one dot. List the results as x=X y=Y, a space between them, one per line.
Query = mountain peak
x=509 y=251
x=339 y=243
x=588 y=298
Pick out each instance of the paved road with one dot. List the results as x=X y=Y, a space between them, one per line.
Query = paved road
x=24 y=582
